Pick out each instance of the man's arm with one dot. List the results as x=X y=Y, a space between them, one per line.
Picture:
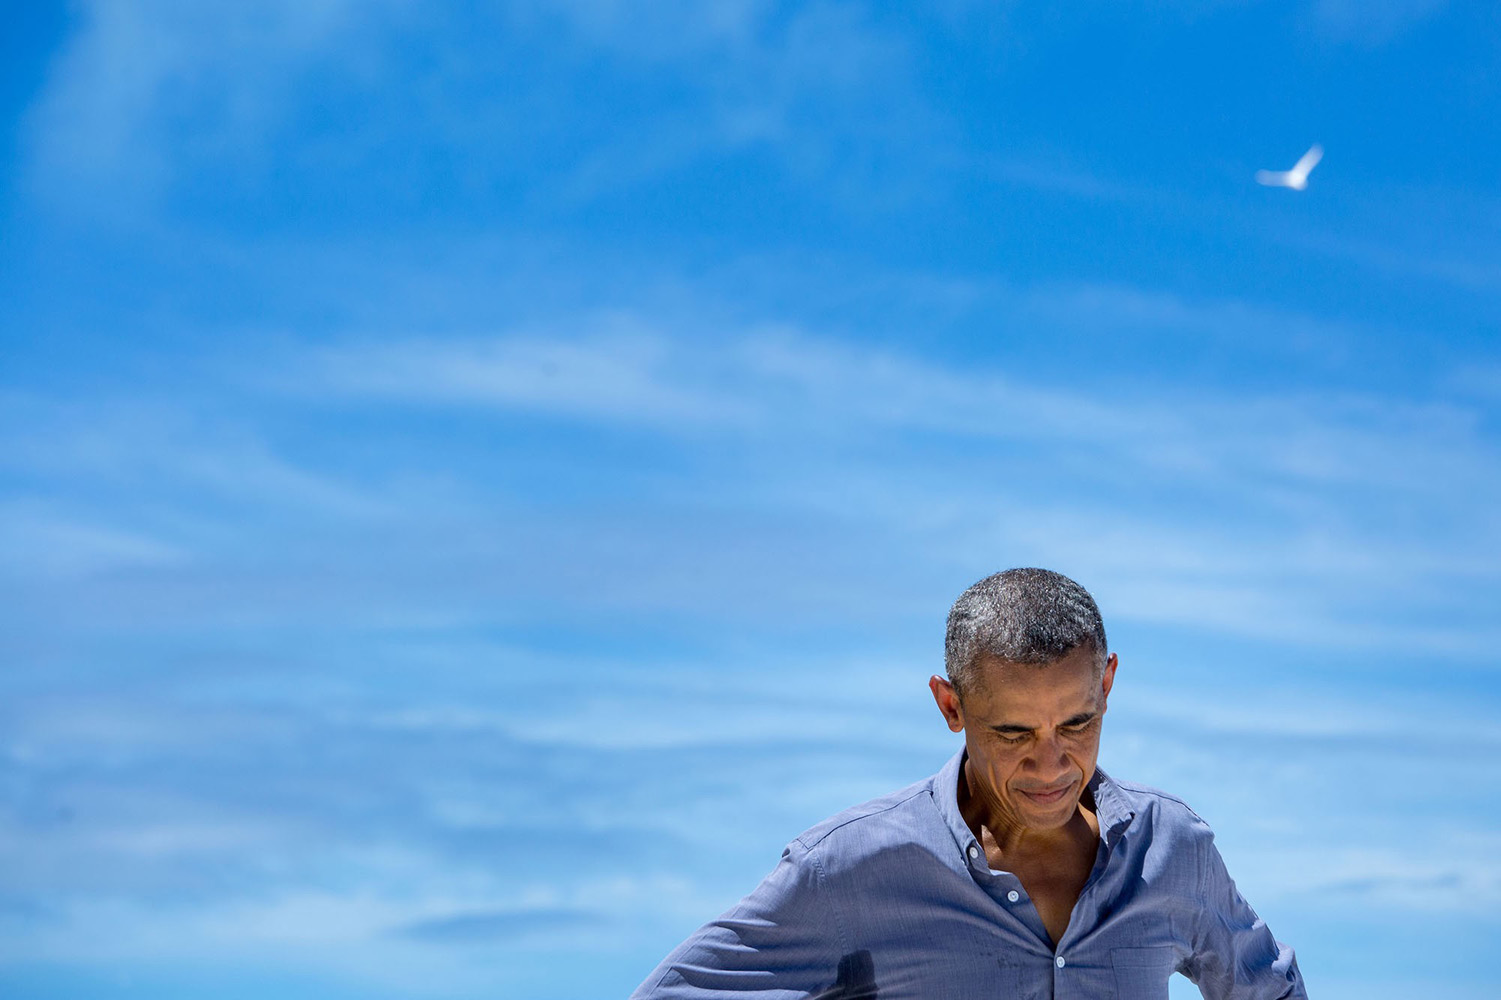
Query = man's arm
x=783 y=941
x=1235 y=955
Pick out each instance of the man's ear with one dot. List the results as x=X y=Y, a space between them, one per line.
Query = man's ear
x=1107 y=681
x=948 y=702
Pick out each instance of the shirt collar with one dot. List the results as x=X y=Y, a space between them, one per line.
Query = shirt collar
x=1112 y=808
x=946 y=797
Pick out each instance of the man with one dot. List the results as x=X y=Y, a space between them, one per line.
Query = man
x=1019 y=870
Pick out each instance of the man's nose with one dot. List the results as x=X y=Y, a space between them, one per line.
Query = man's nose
x=1048 y=757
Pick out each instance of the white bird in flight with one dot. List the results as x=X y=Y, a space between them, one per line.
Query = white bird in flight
x=1297 y=177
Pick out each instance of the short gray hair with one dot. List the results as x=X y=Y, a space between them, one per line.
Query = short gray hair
x=1023 y=616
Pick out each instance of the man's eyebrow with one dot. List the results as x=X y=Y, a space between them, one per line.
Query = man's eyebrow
x=1010 y=728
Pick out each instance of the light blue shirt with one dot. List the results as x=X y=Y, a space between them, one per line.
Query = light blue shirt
x=894 y=900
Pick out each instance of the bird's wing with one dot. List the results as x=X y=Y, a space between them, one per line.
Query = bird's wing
x=1308 y=161
x=1272 y=178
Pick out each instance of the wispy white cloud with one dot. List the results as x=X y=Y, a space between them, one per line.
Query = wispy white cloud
x=976 y=466
x=234 y=834
x=1348 y=20
x=1452 y=874
x=489 y=926
x=779 y=376
x=1481 y=381
x=1240 y=707
x=106 y=131
x=142 y=100
x=37 y=543
x=1459 y=260
x=1275 y=559
x=623 y=374
x=804 y=82
x=1054 y=174
x=137 y=443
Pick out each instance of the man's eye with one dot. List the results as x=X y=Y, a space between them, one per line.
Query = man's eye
x=1014 y=740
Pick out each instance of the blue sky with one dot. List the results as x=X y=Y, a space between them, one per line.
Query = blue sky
x=478 y=480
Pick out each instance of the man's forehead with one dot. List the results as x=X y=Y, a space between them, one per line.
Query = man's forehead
x=1070 y=679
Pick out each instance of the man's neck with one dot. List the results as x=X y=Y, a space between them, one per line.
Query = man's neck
x=1018 y=844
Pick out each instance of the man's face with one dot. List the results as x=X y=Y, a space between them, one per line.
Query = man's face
x=1033 y=734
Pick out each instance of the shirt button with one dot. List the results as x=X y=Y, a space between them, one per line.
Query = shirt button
x=1013 y=895
x=974 y=852
x=1061 y=962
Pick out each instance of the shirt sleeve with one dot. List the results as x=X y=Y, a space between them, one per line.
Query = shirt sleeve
x=1235 y=956
x=781 y=942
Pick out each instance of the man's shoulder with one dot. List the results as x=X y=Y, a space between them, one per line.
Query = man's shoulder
x=1158 y=807
x=899 y=814
x=1141 y=793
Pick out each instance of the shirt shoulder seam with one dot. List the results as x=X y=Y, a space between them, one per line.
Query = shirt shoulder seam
x=823 y=885
x=1140 y=789
x=825 y=832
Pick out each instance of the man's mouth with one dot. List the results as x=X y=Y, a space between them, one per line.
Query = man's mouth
x=1047 y=797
